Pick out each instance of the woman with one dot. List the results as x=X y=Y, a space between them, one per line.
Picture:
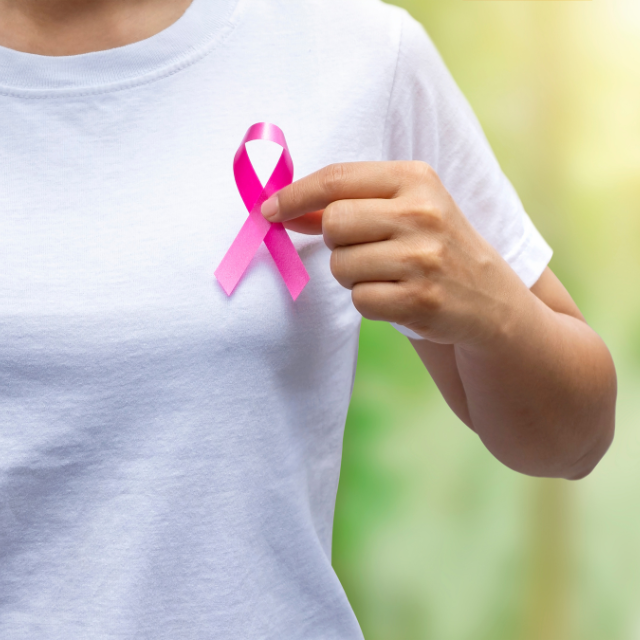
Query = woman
x=170 y=455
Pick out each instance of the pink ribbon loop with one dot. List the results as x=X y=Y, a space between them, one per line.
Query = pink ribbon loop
x=256 y=228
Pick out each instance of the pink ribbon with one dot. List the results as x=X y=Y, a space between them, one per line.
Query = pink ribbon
x=256 y=228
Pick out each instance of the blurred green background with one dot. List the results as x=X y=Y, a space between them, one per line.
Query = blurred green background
x=435 y=539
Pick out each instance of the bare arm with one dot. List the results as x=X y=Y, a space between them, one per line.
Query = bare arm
x=521 y=367
x=544 y=403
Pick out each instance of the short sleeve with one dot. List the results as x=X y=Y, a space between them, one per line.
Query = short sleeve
x=430 y=120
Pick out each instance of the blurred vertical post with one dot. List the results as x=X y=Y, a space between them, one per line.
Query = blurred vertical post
x=547 y=614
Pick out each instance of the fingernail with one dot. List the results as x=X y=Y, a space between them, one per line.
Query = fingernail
x=270 y=207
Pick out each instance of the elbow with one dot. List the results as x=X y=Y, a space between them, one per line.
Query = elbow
x=602 y=432
x=567 y=443
x=570 y=458
x=589 y=460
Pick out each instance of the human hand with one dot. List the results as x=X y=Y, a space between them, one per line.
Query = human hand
x=403 y=247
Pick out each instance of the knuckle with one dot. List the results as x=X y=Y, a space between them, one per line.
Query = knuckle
x=429 y=298
x=332 y=220
x=335 y=264
x=379 y=303
x=420 y=258
x=433 y=215
x=333 y=177
x=408 y=256
x=425 y=214
x=420 y=171
x=338 y=267
x=362 y=301
x=434 y=257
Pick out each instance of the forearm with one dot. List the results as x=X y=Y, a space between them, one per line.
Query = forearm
x=541 y=396
x=520 y=366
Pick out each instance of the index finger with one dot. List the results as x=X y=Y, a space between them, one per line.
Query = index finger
x=343 y=181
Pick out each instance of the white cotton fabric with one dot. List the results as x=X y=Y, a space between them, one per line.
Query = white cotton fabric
x=169 y=457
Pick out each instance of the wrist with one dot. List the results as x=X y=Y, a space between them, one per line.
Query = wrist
x=508 y=319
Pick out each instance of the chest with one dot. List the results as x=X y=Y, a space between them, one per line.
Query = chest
x=116 y=210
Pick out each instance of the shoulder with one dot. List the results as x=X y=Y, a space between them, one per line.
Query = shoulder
x=343 y=32
x=374 y=29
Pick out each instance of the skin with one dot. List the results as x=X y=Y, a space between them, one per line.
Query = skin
x=72 y=27
x=519 y=366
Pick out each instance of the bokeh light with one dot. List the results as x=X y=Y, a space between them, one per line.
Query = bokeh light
x=435 y=540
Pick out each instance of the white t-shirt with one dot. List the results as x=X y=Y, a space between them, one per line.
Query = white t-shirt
x=169 y=457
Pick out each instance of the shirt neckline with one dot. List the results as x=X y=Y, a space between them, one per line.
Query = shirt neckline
x=203 y=26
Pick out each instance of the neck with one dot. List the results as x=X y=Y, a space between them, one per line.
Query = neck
x=72 y=27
